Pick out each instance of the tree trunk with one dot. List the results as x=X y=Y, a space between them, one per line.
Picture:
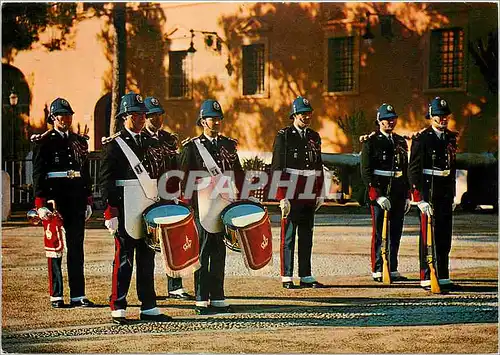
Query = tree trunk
x=119 y=65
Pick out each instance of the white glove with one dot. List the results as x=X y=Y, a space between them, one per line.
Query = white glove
x=88 y=213
x=407 y=205
x=112 y=225
x=44 y=213
x=319 y=202
x=285 y=207
x=425 y=208
x=384 y=203
x=254 y=199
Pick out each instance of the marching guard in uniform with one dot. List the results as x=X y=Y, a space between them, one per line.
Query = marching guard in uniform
x=61 y=174
x=432 y=177
x=297 y=156
x=163 y=157
x=210 y=154
x=128 y=190
x=384 y=164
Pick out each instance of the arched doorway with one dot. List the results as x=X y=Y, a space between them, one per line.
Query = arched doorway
x=102 y=119
x=16 y=100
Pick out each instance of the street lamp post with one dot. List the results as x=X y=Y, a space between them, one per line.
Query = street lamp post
x=13 y=100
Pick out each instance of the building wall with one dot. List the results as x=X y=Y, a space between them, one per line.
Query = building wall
x=390 y=71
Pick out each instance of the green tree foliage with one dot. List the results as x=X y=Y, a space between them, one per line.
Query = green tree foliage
x=485 y=56
x=22 y=24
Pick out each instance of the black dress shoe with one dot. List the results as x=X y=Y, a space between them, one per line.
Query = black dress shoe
x=451 y=287
x=377 y=279
x=288 y=284
x=203 y=311
x=181 y=296
x=57 y=304
x=156 y=318
x=399 y=278
x=85 y=302
x=314 y=284
x=121 y=320
x=225 y=309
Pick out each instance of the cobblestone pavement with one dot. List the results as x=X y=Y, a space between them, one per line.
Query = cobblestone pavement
x=340 y=260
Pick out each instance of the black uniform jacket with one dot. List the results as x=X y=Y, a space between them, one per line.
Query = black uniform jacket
x=115 y=166
x=379 y=153
x=224 y=154
x=291 y=151
x=430 y=152
x=53 y=153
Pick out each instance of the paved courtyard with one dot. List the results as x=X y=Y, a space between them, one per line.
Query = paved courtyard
x=351 y=315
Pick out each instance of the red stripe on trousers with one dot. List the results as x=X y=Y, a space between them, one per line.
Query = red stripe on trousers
x=114 y=282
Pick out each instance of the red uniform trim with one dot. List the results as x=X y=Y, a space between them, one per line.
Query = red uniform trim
x=39 y=202
x=416 y=195
x=373 y=193
x=110 y=212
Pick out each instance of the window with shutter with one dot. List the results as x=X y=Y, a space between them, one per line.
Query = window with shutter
x=254 y=65
x=179 y=85
x=340 y=64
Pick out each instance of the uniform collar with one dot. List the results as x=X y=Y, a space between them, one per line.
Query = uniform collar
x=437 y=132
x=209 y=138
x=299 y=130
x=132 y=134
x=61 y=133
x=387 y=135
x=152 y=134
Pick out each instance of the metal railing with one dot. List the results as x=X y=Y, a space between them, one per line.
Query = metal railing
x=21 y=179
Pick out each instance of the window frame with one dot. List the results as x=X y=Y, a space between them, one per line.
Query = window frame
x=188 y=73
x=355 y=62
x=266 y=93
x=427 y=61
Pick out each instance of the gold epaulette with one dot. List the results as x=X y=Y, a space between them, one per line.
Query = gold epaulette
x=232 y=139
x=106 y=140
x=415 y=134
x=186 y=141
x=365 y=137
x=38 y=136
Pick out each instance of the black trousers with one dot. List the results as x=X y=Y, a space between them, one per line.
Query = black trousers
x=174 y=283
x=395 y=219
x=123 y=264
x=443 y=225
x=209 y=278
x=74 y=224
x=299 y=221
